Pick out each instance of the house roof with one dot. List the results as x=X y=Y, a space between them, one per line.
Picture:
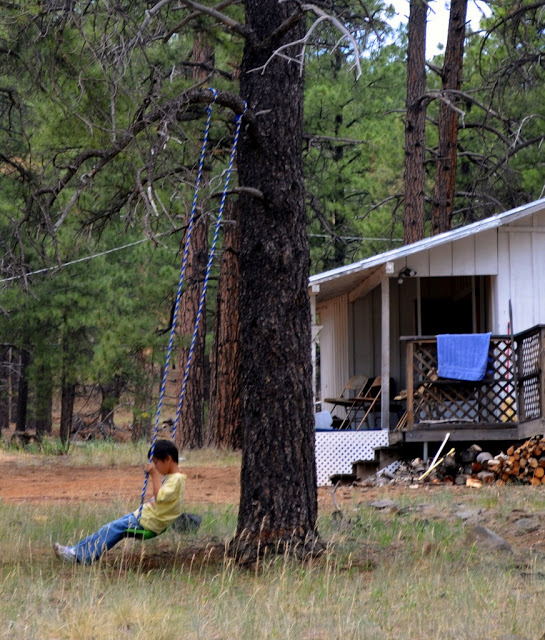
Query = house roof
x=351 y=274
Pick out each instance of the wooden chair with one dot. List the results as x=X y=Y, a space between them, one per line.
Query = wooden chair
x=350 y=398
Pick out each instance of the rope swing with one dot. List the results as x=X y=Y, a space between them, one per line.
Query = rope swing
x=238 y=121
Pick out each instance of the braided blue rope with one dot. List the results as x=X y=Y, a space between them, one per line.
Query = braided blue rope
x=238 y=122
x=178 y=294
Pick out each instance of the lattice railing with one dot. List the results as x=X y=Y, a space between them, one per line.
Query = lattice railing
x=492 y=400
x=530 y=380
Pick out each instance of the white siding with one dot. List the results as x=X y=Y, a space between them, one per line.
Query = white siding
x=441 y=260
x=502 y=288
x=463 y=257
x=363 y=336
x=521 y=275
x=538 y=245
x=334 y=345
x=395 y=323
x=400 y=264
x=522 y=283
x=486 y=253
x=539 y=219
x=420 y=262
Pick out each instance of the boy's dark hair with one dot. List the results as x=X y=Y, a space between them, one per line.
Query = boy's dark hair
x=164 y=449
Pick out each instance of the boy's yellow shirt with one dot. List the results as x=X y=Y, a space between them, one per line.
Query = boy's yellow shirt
x=168 y=505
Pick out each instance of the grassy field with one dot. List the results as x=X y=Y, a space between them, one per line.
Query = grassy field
x=407 y=575
x=110 y=453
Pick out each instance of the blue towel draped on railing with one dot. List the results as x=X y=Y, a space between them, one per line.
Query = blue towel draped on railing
x=463 y=356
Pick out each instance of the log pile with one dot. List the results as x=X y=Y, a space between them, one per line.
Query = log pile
x=474 y=467
x=524 y=464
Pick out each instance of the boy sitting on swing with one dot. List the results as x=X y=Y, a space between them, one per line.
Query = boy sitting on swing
x=156 y=516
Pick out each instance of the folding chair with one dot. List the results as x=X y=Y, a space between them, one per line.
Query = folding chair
x=349 y=398
x=369 y=399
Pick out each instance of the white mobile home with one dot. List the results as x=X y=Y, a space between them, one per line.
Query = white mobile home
x=381 y=313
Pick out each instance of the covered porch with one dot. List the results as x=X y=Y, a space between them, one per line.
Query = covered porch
x=507 y=404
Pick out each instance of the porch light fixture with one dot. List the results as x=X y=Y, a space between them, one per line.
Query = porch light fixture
x=405 y=273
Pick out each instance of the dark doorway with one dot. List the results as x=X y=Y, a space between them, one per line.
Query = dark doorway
x=453 y=305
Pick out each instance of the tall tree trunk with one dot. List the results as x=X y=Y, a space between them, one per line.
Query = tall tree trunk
x=15 y=372
x=445 y=177
x=68 y=396
x=415 y=124
x=143 y=399
x=278 y=504
x=224 y=406
x=190 y=429
x=339 y=256
x=43 y=400
x=4 y=387
x=111 y=392
x=22 y=391
x=190 y=433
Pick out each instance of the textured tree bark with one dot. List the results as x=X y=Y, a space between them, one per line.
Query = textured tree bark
x=4 y=387
x=68 y=396
x=111 y=393
x=445 y=176
x=415 y=124
x=278 y=504
x=224 y=406
x=22 y=392
x=44 y=400
x=15 y=364
x=143 y=399
x=190 y=432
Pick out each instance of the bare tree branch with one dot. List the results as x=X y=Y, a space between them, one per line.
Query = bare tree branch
x=195 y=15
x=514 y=150
x=140 y=122
x=235 y=26
x=322 y=16
x=311 y=137
x=284 y=28
x=26 y=175
x=150 y=13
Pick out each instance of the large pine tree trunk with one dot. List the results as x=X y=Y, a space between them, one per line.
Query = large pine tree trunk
x=111 y=393
x=189 y=434
x=22 y=392
x=4 y=387
x=43 y=400
x=415 y=124
x=445 y=177
x=15 y=368
x=278 y=504
x=224 y=406
x=68 y=397
x=143 y=398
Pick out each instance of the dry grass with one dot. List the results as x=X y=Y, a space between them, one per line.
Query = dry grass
x=107 y=453
x=403 y=576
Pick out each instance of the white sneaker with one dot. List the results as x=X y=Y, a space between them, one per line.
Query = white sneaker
x=64 y=553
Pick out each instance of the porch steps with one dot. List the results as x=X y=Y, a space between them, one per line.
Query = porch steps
x=384 y=456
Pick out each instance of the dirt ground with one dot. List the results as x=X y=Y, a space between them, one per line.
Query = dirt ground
x=41 y=482
x=37 y=481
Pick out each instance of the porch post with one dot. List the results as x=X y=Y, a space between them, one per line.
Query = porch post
x=385 y=350
x=314 y=290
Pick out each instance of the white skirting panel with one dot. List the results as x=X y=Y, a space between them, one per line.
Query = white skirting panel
x=337 y=450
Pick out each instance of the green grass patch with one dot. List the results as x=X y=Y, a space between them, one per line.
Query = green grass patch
x=385 y=576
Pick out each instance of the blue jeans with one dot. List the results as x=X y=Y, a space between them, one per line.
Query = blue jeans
x=90 y=549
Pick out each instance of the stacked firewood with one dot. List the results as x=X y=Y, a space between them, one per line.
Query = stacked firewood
x=524 y=464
